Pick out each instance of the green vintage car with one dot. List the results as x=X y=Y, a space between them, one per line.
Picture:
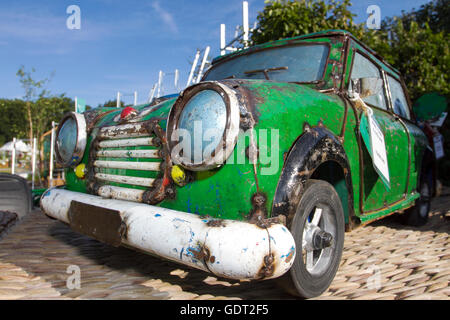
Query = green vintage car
x=257 y=171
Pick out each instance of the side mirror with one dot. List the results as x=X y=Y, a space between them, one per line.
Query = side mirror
x=366 y=87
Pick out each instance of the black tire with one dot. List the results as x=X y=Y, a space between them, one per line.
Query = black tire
x=299 y=280
x=15 y=195
x=418 y=215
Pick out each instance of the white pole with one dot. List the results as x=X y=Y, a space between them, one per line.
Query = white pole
x=135 y=98
x=13 y=156
x=152 y=93
x=160 y=79
x=33 y=162
x=236 y=31
x=245 y=22
x=194 y=66
x=118 y=100
x=205 y=57
x=52 y=146
x=177 y=77
x=76 y=104
x=222 y=40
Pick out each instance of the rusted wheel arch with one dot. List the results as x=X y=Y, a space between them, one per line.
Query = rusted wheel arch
x=316 y=148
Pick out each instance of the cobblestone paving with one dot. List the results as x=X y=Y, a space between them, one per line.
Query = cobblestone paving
x=384 y=260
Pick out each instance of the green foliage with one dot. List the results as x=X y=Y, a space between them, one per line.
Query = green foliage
x=285 y=19
x=31 y=86
x=419 y=53
x=13 y=116
x=416 y=42
x=12 y=119
x=50 y=109
x=435 y=13
x=111 y=103
x=32 y=116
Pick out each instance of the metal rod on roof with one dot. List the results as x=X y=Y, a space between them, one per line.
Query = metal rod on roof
x=135 y=98
x=152 y=93
x=160 y=79
x=202 y=66
x=118 y=100
x=245 y=22
x=222 y=40
x=177 y=78
x=194 y=66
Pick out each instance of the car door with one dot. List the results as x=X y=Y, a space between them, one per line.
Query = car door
x=417 y=140
x=376 y=194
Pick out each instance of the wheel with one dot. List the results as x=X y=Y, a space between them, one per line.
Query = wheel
x=318 y=228
x=418 y=215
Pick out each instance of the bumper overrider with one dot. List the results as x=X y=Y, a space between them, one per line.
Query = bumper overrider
x=226 y=248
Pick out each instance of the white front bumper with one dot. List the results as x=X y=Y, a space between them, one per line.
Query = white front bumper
x=226 y=248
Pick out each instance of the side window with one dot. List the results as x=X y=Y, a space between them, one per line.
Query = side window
x=364 y=68
x=399 y=102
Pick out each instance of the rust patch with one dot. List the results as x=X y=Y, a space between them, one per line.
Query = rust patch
x=163 y=186
x=93 y=116
x=259 y=211
x=215 y=223
x=267 y=269
x=267 y=223
x=201 y=254
x=289 y=256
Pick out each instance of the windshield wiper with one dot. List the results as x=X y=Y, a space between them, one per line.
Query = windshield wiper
x=265 y=71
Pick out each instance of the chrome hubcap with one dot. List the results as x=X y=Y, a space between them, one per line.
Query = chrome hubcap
x=318 y=240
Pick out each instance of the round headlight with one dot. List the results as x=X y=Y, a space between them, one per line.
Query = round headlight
x=205 y=115
x=70 y=139
x=203 y=126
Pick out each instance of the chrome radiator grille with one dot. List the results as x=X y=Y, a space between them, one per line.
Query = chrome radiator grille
x=128 y=162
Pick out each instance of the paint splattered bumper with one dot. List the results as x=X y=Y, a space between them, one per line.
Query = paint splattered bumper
x=226 y=248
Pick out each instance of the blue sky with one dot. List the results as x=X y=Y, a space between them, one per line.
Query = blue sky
x=122 y=45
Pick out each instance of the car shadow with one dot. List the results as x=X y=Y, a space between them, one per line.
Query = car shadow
x=147 y=267
x=438 y=221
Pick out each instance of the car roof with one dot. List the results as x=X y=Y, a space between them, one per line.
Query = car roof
x=320 y=34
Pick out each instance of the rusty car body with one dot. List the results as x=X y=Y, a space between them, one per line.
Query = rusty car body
x=291 y=163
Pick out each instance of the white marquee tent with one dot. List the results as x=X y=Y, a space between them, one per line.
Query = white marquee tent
x=20 y=147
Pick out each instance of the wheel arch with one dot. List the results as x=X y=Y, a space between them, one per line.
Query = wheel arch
x=316 y=154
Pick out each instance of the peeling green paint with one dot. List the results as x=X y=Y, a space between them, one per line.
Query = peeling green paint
x=226 y=192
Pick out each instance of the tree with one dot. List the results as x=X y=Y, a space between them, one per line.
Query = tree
x=416 y=43
x=435 y=13
x=50 y=109
x=111 y=103
x=13 y=120
x=285 y=19
x=33 y=90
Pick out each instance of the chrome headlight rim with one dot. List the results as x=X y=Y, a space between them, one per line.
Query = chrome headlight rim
x=81 y=140
x=229 y=138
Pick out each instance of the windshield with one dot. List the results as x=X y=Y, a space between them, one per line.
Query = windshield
x=301 y=63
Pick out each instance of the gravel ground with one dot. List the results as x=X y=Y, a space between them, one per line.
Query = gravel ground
x=39 y=259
